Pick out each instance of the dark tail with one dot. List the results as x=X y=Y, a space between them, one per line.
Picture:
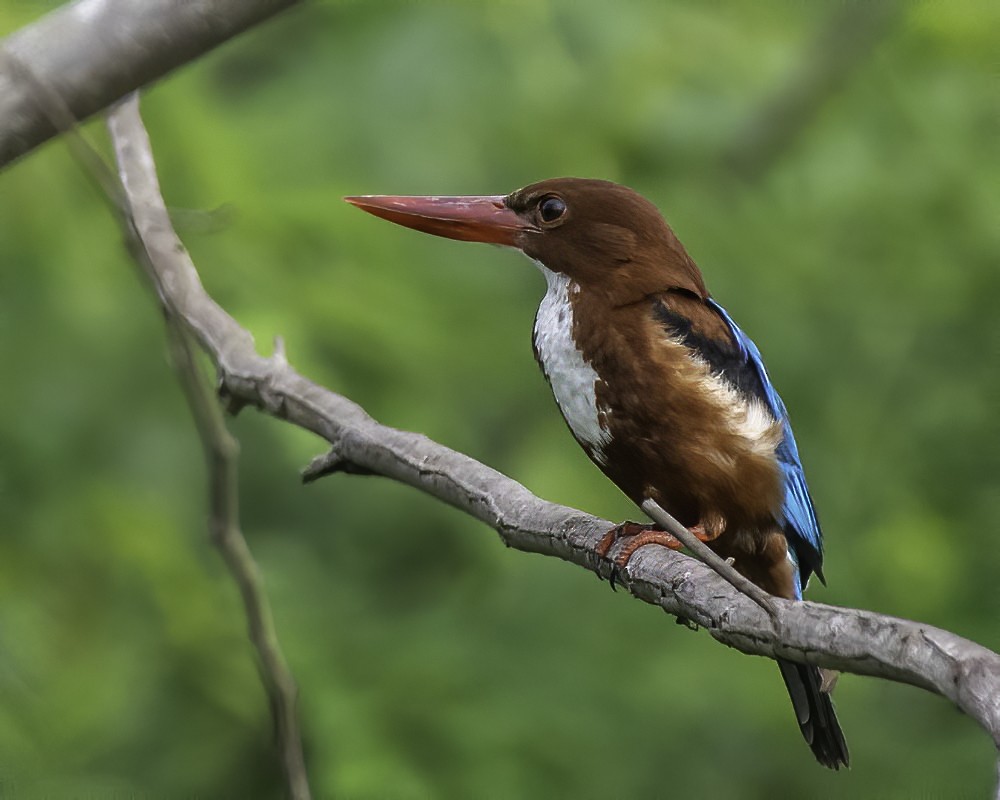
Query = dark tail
x=814 y=710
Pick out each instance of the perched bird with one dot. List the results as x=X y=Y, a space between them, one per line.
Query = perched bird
x=658 y=385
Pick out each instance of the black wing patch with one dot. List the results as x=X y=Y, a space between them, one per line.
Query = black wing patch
x=723 y=356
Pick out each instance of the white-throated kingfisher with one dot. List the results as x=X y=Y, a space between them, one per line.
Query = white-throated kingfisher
x=658 y=385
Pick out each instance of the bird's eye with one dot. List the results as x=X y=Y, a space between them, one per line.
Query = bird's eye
x=551 y=208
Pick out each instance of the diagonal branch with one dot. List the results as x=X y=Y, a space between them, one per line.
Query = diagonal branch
x=92 y=52
x=849 y=640
x=708 y=556
x=221 y=449
x=221 y=455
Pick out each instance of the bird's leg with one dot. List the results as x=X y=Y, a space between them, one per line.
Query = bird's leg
x=639 y=535
x=625 y=530
x=662 y=538
x=621 y=531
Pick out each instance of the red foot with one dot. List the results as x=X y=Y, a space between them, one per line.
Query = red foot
x=661 y=538
x=640 y=535
x=621 y=531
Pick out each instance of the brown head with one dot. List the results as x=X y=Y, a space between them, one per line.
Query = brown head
x=604 y=236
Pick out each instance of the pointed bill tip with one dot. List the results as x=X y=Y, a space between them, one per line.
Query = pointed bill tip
x=466 y=218
x=360 y=199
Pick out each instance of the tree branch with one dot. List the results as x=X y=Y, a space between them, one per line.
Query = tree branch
x=849 y=640
x=221 y=450
x=93 y=52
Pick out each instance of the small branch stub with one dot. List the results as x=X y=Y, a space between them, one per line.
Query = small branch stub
x=330 y=463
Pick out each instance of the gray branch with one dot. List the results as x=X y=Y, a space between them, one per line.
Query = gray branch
x=849 y=640
x=93 y=52
x=133 y=152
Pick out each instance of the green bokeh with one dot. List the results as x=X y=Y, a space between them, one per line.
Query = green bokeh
x=863 y=255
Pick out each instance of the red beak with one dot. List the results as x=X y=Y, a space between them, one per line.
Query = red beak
x=469 y=219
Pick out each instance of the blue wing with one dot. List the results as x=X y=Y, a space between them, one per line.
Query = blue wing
x=798 y=515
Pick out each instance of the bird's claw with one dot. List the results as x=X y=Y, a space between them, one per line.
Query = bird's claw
x=640 y=534
x=613 y=578
x=608 y=541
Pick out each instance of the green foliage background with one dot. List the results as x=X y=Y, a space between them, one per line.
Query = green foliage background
x=433 y=662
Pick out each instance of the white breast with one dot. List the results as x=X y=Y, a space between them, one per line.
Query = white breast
x=571 y=377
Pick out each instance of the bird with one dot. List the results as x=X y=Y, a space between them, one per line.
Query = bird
x=659 y=386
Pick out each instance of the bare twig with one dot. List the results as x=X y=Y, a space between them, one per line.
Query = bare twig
x=222 y=458
x=142 y=195
x=221 y=449
x=707 y=556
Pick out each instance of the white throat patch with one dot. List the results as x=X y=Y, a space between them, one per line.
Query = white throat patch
x=571 y=377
